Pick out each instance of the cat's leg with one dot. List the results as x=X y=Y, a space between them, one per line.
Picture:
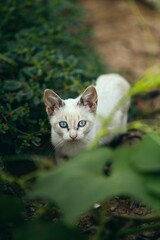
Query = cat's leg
x=60 y=159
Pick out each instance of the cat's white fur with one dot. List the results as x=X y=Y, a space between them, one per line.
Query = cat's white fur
x=109 y=89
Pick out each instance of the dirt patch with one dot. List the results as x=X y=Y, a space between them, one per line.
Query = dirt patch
x=125 y=44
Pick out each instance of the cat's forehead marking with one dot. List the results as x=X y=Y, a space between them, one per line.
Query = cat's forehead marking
x=72 y=117
x=72 y=113
x=72 y=120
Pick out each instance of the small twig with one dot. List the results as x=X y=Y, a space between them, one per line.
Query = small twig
x=142 y=219
x=139 y=229
x=3 y=118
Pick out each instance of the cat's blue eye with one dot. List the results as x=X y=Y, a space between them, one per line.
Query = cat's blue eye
x=82 y=123
x=63 y=124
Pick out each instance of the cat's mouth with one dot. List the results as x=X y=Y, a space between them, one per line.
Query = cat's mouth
x=73 y=140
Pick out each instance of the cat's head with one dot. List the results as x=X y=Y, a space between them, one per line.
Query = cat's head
x=71 y=119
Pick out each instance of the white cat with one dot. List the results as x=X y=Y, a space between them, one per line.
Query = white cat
x=75 y=122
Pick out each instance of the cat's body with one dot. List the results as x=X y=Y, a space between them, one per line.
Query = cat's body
x=75 y=122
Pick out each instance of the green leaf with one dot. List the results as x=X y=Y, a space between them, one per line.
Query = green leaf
x=147 y=154
x=150 y=80
x=80 y=183
x=155 y=137
x=153 y=185
x=7 y=60
x=76 y=185
x=11 y=209
x=12 y=85
x=47 y=231
x=129 y=180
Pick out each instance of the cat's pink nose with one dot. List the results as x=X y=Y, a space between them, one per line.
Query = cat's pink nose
x=73 y=136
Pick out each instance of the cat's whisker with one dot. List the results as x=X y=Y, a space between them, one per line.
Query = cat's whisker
x=60 y=143
x=50 y=150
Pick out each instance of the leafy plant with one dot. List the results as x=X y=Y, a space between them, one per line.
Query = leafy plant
x=42 y=51
x=46 y=50
x=43 y=45
x=138 y=165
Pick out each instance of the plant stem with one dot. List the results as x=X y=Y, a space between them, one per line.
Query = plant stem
x=139 y=229
x=151 y=42
x=97 y=235
x=148 y=218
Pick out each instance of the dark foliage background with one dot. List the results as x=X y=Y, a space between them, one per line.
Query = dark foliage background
x=44 y=44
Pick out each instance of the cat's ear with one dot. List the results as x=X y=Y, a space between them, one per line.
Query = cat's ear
x=52 y=101
x=89 y=98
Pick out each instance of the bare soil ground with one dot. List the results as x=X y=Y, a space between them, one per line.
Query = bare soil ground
x=125 y=42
